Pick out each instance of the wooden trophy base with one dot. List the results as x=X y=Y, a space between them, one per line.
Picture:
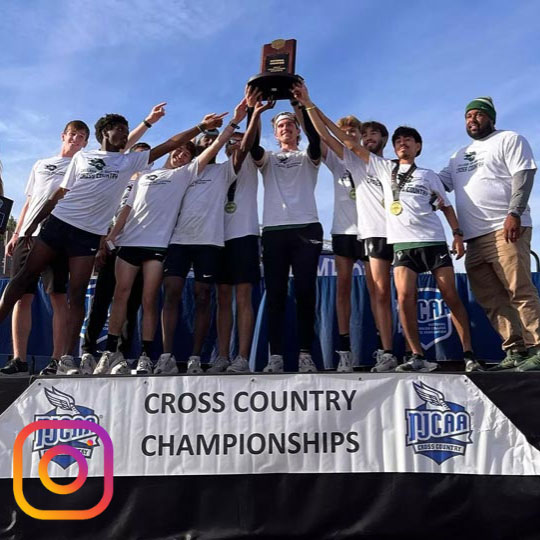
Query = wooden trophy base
x=274 y=85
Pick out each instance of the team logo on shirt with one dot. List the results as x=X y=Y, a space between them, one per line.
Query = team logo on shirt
x=97 y=163
x=64 y=408
x=469 y=156
x=472 y=161
x=151 y=177
x=438 y=429
x=282 y=158
x=50 y=167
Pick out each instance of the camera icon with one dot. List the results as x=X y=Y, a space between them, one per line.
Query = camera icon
x=51 y=485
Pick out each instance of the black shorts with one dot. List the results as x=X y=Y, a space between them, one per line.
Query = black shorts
x=137 y=255
x=377 y=248
x=424 y=259
x=204 y=259
x=67 y=239
x=347 y=245
x=54 y=277
x=239 y=261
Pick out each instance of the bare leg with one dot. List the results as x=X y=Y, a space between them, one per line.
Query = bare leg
x=380 y=299
x=405 y=280
x=446 y=283
x=173 y=286
x=344 y=267
x=152 y=277
x=245 y=317
x=21 y=325
x=224 y=319
x=39 y=257
x=80 y=270
x=60 y=321
x=125 y=274
x=202 y=315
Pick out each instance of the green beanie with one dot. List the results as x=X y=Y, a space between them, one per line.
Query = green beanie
x=484 y=104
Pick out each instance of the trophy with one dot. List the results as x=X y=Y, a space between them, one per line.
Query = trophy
x=277 y=70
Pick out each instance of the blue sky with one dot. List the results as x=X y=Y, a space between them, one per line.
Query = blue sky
x=415 y=63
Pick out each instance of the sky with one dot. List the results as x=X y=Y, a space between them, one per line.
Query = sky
x=416 y=63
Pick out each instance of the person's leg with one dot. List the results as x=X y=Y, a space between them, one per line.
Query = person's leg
x=344 y=268
x=132 y=323
x=80 y=270
x=224 y=318
x=60 y=321
x=245 y=318
x=446 y=283
x=405 y=282
x=21 y=325
x=173 y=287
x=381 y=300
x=39 y=257
x=202 y=315
x=153 y=276
x=276 y=264
x=101 y=301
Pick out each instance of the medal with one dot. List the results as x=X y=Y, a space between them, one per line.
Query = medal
x=396 y=208
x=352 y=194
x=230 y=207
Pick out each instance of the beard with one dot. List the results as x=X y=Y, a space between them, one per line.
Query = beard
x=481 y=133
x=377 y=148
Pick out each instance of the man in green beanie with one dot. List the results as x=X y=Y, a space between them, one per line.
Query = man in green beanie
x=492 y=178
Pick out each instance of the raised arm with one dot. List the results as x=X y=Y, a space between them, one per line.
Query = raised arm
x=300 y=93
x=210 y=121
x=157 y=112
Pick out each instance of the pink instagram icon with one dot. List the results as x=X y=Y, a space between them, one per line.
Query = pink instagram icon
x=50 y=484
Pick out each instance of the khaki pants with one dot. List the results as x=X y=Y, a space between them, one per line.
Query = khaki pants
x=500 y=278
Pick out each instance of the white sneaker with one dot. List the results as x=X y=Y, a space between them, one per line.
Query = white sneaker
x=67 y=366
x=240 y=365
x=194 y=365
x=377 y=355
x=385 y=363
x=417 y=364
x=144 y=365
x=88 y=364
x=107 y=362
x=219 y=366
x=473 y=365
x=306 y=364
x=166 y=365
x=345 y=362
x=275 y=364
x=120 y=368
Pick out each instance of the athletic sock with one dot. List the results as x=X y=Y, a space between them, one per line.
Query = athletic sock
x=112 y=343
x=344 y=342
x=388 y=351
x=147 y=347
x=468 y=355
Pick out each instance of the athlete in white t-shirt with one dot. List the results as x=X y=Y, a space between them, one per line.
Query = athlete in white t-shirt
x=197 y=240
x=45 y=178
x=292 y=234
x=82 y=209
x=492 y=178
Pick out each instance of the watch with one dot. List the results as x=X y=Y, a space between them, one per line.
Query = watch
x=514 y=214
x=457 y=232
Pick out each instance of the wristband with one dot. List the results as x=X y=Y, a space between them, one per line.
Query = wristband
x=147 y=123
x=294 y=102
x=514 y=214
x=201 y=128
x=233 y=125
x=457 y=232
x=311 y=108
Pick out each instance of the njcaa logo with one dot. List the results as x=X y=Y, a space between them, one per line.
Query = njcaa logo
x=437 y=429
x=434 y=317
x=97 y=163
x=64 y=408
x=469 y=156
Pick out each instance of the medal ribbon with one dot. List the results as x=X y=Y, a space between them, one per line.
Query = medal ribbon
x=397 y=185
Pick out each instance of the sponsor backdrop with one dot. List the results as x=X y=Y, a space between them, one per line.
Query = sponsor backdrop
x=438 y=336
x=266 y=456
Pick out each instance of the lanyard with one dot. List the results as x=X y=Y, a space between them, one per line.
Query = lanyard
x=398 y=183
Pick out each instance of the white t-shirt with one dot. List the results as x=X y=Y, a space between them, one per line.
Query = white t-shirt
x=45 y=178
x=201 y=219
x=289 y=180
x=481 y=176
x=345 y=219
x=96 y=180
x=369 y=198
x=243 y=220
x=417 y=221
x=155 y=202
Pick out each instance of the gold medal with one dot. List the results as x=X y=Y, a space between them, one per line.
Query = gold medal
x=352 y=194
x=230 y=207
x=396 y=208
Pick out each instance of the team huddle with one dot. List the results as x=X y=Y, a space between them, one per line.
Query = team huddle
x=145 y=228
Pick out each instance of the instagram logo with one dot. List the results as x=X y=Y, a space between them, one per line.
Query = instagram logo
x=68 y=430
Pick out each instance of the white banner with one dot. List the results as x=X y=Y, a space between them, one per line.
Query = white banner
x=257 y=424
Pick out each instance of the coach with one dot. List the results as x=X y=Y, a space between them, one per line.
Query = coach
x=492 y=178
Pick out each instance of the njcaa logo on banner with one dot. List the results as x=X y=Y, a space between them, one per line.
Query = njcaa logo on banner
x=83 y=440
x=437 y=429
x=434 y=318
